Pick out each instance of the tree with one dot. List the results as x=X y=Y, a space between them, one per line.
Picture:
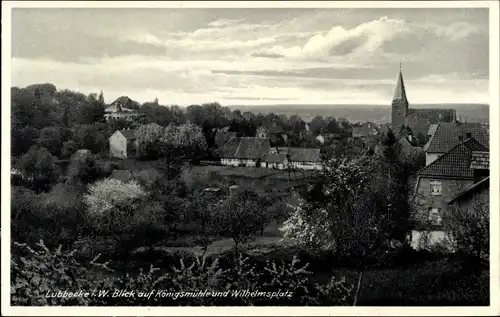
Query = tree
x=51 y=138
x=185 y=141
x=90 y=137
x=22 y=139
x=105 y=195
x=150 y=138
x=468 y=227
x=39 y=165
x=83 y=168
x=317 y=124
x=101 y=99
x=237 y=217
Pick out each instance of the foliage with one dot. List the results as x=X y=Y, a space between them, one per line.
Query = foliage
x=36 y=272
x=239 y=216
x=83 y=168
x=22 y=139
x=149 y=138
x=469 y=224
x=105 y=194
x=38 y=164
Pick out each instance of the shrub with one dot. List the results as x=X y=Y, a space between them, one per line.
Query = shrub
x=34 y=273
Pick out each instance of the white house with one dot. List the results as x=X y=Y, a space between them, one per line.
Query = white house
x=244 y=151
x=123 y=144
x=302 y=158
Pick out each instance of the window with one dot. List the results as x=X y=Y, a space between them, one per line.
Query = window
x=435 y=187
x=435 y=216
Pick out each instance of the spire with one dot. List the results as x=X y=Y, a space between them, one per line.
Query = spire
x=400 y=92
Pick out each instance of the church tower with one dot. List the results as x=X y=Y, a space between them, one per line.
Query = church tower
x=399 y=105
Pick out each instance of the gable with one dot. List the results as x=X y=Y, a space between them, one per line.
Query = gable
x=456 y=163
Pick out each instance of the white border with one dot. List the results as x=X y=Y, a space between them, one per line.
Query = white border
x=493 y=309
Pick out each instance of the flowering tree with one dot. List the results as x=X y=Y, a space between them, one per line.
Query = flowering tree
x=108 y=193
x=183 y=141
x=149 y=138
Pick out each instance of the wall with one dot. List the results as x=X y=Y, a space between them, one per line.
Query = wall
x=307 y=165
x=431 y=157
x=117 y=146
x=429 y=239
x=449 y=189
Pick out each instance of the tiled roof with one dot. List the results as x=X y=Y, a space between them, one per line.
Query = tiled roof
x=447 y=136
x=432 y=129
x=480 y=160
x=420 y=120
x=129 y=134
x=246 y=148
x=365 y=130
x=471 y=190
x=223 y=137
x=275 y=157
x=302 y=154
x=455 y=163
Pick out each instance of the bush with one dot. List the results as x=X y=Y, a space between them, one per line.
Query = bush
x=36 y=272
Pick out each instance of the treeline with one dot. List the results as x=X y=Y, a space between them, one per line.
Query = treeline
x=63 y=121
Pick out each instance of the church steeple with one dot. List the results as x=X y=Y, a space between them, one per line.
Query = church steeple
x=400 y=92
x=399 y=105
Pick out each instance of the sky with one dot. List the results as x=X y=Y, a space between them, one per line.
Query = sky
x=255 y=56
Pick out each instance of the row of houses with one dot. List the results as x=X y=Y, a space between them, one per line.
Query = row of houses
x=234 y=151
x=257 y=152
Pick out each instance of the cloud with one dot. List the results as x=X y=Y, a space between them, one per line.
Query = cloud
x=366 y=38
x=224 y=22
x=457 y=31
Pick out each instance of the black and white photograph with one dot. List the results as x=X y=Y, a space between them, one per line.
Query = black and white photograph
x=280 y=155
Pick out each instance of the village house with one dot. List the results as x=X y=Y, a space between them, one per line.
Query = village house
x=123 y=144
x=366 y=130
x=119 y=109
x=302 y=158
x=244 y=151
x=446 y=135
x=440 y=182
x=275 y=161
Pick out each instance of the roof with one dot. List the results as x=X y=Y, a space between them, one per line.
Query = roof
x=365 y=130
x=223 y=137
x=301 y=154
x=124 y=101
x=275 y=157
x=471 y=190
x=447 y=136
x=455 y=163
x=480 y=160
x=122 y=175
x=400 y=92
x=246 y=148
x=420 y=120
x=432 y=129
x=129 y=134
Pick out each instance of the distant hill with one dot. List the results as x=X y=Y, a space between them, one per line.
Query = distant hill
x=373 y=113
